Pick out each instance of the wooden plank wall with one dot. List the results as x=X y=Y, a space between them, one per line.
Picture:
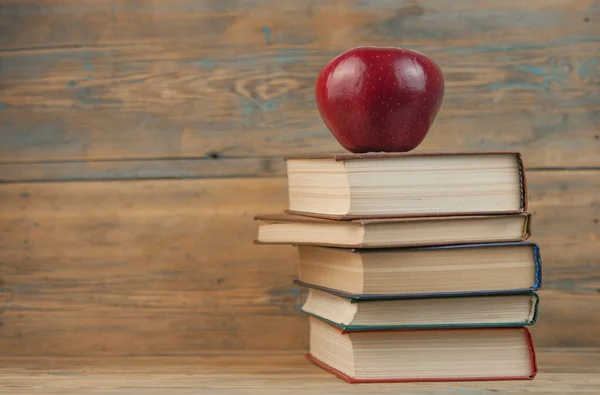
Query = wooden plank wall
x=138 y=138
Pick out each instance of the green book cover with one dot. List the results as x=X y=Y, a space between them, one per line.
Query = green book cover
x=531 y=320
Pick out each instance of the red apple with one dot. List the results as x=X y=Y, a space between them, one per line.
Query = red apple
x=379 y=99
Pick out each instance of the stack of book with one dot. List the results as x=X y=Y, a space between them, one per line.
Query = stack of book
x=416 y=264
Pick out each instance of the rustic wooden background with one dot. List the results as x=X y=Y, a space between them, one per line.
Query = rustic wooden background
x=138 y=138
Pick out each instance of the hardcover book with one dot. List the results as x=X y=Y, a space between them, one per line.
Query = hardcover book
x=423 y=355
x=426 y=313
x=397 y=273
x=373 y=185
x=392 y=232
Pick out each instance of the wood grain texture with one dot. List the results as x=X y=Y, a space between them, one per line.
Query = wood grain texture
x=211 y=166
x=309 y=382
x=550 y=360
x=562 y=371
x=133 y=268
x=211 y=95
x=147 y=169
x=169 y=267
x=177 y=79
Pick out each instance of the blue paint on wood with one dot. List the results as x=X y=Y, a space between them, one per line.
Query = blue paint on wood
x=530 y=69
x=16 y=134
x=281 y=57
x=269 y=105
x=582 y=39
x=2 y=106
x=382 y=5
x=516 y=85
x=136 y=80
x=247 y=107
x=588 y=68
x=290 y=55
x=296 y=292
x=509 y=58
x=25 y=289
x=547 y=81
x=87 y=64
x=24 y=195
x=207 y=64
x=493 y=48
x=87 y=97
x=267 y=32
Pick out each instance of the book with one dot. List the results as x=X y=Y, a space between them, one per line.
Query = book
x=466 y=269
x=426 y=313
x=423 y=355
x=392 y=232
x=372 y=185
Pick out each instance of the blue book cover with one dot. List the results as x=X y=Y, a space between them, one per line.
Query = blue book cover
x=536 y=265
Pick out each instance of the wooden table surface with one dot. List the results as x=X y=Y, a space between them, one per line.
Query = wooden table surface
x=562 y=371
x=139 y=138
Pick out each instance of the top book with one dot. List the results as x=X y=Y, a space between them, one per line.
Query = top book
x=378 y=185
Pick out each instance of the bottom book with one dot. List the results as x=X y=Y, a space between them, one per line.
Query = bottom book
x=379 y=356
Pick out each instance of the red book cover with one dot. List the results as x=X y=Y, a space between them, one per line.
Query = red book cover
x=352 y=380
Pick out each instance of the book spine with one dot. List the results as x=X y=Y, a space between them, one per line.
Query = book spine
x=534 y=367
x=522 y=182
x=538 y=267
x=535 y=307
x=527 y=227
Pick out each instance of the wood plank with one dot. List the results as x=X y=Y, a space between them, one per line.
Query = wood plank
x=145 y=169
x=209 y=22
x=221 y=111
x=170 y=79
x=562 y=371
x=550 y=360
x=246 y=374
x=213 y=165
x=143 y=269
x=566 y=216
x=271 y=372
x=270 y=384
x=169 y=267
